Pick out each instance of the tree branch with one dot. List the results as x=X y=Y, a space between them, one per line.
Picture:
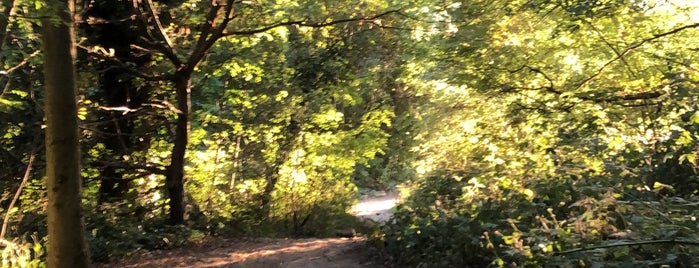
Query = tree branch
x=610 y=45
x=629 y=243
x=144 y=168
x=159 y=42
x=165 y=105
x=6 y=221
x=552 y=89
x=633 y=47
x=205 y=31
x=25 y=61
x=104 y=56
x=210 y=33
x=305 y=23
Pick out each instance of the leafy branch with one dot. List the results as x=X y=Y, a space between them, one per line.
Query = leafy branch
x=629 y=244
x=19 y=65
x=633 y=47
x=551 y=88
x=306 y=23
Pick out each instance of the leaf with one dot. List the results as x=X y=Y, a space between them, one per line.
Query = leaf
x=82 y=113
x=695 y=118
x=38 y=5
x=529 y=193
x=690 y=158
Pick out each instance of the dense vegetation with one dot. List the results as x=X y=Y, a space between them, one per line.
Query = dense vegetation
x=520 y=133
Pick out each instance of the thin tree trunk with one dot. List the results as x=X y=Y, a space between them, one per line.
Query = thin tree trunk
x=236 y=162
x=9 y=5
x=292 y=131
x=27 y=172
x=67 y=246
x=175 y=176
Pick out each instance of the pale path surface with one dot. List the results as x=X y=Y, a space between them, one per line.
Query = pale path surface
x=376 y=208
x=267 y=252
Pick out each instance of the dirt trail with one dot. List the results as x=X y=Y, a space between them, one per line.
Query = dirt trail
x=267 y=252
x=377 y=208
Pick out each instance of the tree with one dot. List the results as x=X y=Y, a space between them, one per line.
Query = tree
x=68 y=247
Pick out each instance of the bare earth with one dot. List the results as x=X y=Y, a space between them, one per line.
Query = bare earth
x=267 y=252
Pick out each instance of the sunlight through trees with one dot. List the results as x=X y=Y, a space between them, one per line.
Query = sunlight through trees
x=518 y=133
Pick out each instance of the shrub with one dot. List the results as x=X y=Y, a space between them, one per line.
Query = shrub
x=22 y=253
x=450 y=222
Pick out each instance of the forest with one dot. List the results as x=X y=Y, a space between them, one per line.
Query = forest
x=518 y=133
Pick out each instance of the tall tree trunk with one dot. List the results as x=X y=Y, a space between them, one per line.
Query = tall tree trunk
x=67 y=246
x=117 y=89
x=175 y=176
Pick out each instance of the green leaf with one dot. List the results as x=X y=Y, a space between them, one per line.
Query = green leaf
x=695 y=118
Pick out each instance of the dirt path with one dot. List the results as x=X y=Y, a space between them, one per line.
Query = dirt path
x=377 y=208
x=292 y=253
x=267 y=252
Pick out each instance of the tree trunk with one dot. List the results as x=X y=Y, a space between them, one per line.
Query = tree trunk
x=117 y=89
x=292 y=131
x=175 y=175
x=9 y=5
x=67 y=246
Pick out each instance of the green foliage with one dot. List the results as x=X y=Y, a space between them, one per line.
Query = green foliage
x=553 y=131
x=457 y=223
x=291 y=111
x=22 y=253
x=110 y=237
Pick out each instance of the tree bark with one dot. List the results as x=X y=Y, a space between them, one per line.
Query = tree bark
x=175 y=177
x=67 y=245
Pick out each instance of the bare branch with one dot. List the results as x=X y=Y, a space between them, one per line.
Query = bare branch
x=616 y=51
x=25 y=61
x=27 y=172
x=162 y=104
x=159 y=42
x=104 y=56
x=210 y=33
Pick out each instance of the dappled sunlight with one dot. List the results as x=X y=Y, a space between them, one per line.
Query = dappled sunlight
x=485 y=133
x=262 y=252
x=257 y=255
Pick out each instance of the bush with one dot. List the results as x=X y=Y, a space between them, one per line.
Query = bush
x=450 y=222
x=109 y=240
x=22 y=253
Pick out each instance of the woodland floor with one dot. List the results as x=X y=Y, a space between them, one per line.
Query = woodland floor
x=268 y=252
